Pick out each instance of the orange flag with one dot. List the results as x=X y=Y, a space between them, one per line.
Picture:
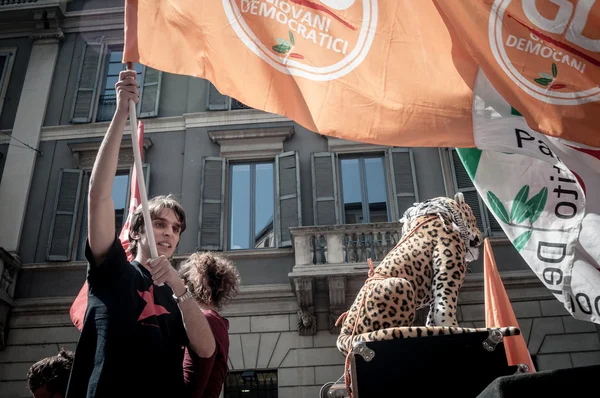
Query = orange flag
x=499 y=312
x=79 y=306
x=397 y=72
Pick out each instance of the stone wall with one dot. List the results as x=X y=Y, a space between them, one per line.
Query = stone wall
x=264 y=335
x=38 y=328
x=304 y=363
x=554 y=338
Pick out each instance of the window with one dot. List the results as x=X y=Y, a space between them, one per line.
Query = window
x=220 y=102
x=120 y=197
x=364 y=192
x=486 y=222
x=7 y=57
x=354 y=189
x=107 y=102
x=251 y=384
x=71 y=206
x=259 y=206
x=251 y=222
x=95 y=97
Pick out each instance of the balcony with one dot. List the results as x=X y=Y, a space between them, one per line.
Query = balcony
x=23 y=10
x=18 y=3
x=332 y=256
x=342 y=248
x=9 y=269
x=38 y=19
x=235 y=105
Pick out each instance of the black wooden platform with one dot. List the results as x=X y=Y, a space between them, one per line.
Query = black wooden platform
x=459 y=365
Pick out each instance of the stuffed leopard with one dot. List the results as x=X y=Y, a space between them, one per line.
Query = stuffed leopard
x=427 y=267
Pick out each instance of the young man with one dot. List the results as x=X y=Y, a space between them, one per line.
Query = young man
x=48 y=377
x=135 y=331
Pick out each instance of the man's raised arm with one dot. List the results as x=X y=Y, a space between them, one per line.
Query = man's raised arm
x=101 y=218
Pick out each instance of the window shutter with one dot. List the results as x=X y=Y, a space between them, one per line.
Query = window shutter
x=463 y=183
x=7 y=59
x=462 y=179
x=87 y=83
x=82 y=236
x=150 y=95
x=325 y=196
x=216 y=100
x=212 y=192
x=495 y=227
x=60 y=242
x=287 y=179
x=146 y=168
x=404 y=182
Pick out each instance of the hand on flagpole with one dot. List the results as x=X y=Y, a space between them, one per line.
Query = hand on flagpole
x=163 y=272
x=140 y=173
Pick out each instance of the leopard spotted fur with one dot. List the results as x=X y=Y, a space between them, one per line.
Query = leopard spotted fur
x=426 y=268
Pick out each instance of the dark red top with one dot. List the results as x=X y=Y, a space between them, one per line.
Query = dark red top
x=204 y=377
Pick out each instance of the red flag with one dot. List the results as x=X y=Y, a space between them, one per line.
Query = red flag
x=79 y=306
x=134 y=197
x=499 y=312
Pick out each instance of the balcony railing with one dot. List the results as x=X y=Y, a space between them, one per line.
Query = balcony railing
x=235 y=105
x=16 y=2
x=30 y=4
x=339 y=244
x=107 y=105
x=9 y=269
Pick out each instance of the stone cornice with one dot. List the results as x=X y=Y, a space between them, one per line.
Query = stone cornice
x=252 y=293
x=32 y=4
x=94 y=20
x=84 y=153
x=521 y=285
x=251 y=143
x=339 y=145
x=346 y=228
x=49 y=35
x=276 y=134
x=251 y=300
x=159 y=125
x=234 y=255
x=37 y=19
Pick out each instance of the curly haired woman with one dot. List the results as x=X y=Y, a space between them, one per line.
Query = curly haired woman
x=213 y=280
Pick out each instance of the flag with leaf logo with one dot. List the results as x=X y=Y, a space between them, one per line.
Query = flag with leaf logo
x=545 y=194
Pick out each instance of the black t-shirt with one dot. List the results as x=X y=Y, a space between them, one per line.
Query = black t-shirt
x=133 y=338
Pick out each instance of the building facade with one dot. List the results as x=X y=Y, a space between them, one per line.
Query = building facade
x=299 y=213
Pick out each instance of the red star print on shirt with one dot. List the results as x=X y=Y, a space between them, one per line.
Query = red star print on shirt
x=151 y=309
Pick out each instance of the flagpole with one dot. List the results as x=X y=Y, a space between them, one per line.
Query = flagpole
x=137 y=156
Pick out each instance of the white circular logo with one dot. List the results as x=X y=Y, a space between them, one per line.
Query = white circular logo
x=550 y=60
x=332 y=43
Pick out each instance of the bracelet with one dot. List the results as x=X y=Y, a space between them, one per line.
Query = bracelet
x=184 y=296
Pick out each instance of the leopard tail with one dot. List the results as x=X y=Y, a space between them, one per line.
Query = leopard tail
x=346 y=341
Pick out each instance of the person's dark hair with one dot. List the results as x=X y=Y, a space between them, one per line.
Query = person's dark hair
x=155 y=205
x=212 y=279
x=52 y=372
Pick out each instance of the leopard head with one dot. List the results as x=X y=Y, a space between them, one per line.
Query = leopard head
x=457 y=211
x=469 y=227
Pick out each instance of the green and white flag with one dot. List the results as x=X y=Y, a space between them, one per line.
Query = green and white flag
x=545 y=194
